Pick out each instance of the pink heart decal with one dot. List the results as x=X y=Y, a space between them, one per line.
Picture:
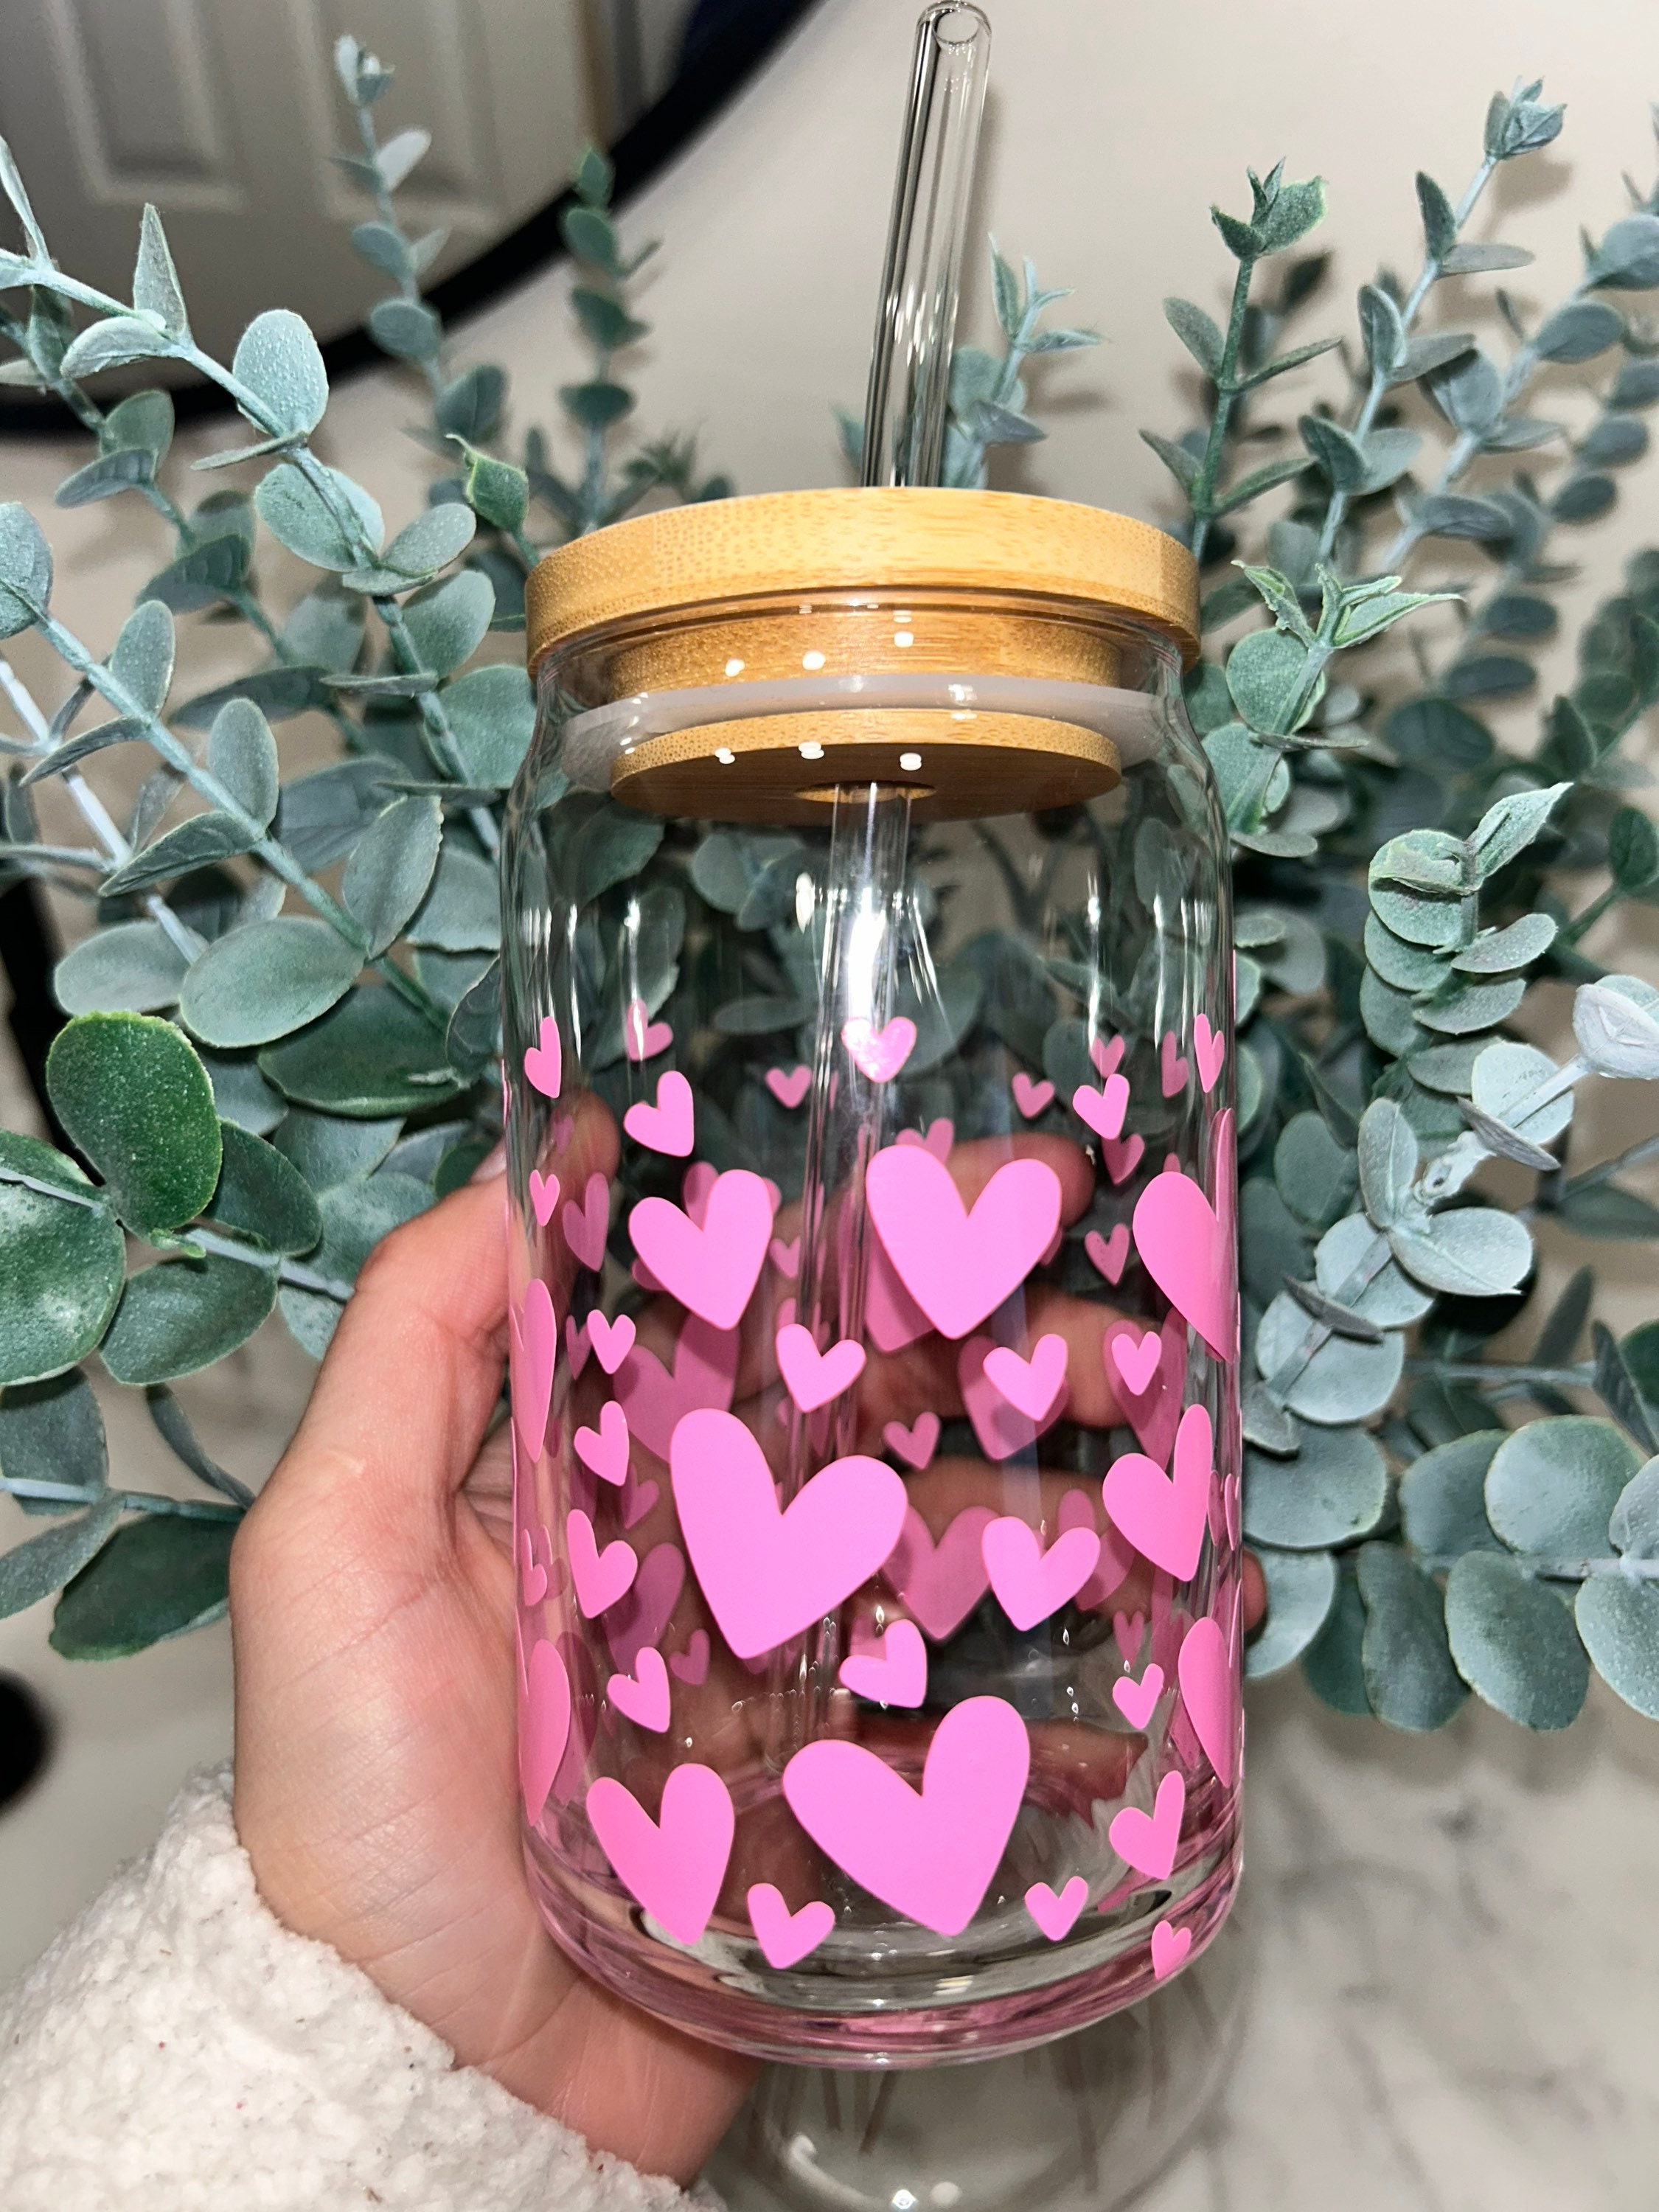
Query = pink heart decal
x=1136 y=1363
x=786 y=1258
x=814 y=1377
x=879 y=1053
x=675 y=1865
x=585 y=1225
x=1154 y=1414
x=642 y=1038
x=1031 y=1097
x=1116 y=1558
x=1032 y=1385
x=543 y=1063
x=579 y=1345
x=535 y=1339
x=1172 y=1066
x=712 y=1270
x=637 y=1499
x=941 y=1584
x=1135 y=1700
x=543 y=1197
x=1123 y=1158
x=644 y=1614
x=1106 y=1055
x=936 y=1137
x=892 y=1315
x=643 y=1696
x=894 y=1672
x=915 y=1445
x=543 y=1726
x=766 y=1574
x=564 y=1127
x=691 y=1665
x=1057 y=1916
x=931 y=1853
x=705 y=1375
x=1109 y=1255
x=670 y=1126
x=695 y=1184
x=1148 y=1841
x=1030 y=1583
x=1001 y=1430
x=1209 y=1690
x=959 y=1266
x=1164 y=1519
x=1128 y=1630
x=612 y=1340
x=1191 y=1255
x=606 y=1449
x=1103 y=1110
x=786 y=1938
x=601 y=1578
x=1209 y=1050
x=789 y=1085
x=1170 y=1948
x=532 y=1576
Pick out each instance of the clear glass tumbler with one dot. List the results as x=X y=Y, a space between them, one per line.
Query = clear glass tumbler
x=868 y=1014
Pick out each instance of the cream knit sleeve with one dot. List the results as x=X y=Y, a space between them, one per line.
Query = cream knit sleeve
x=178 y=2050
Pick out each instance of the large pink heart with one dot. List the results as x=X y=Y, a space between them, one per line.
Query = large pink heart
x=1165 y=1520
x=766 y=1574
x=1209 y=1690
x=1189 y=1251
x=543 y=1726
x=930 y=1853
x=711 y=1270
x=673 y=1865
x=705 y=1373
x=941 y=1582
x=959 y=1266
x=535 y=1338
x=669 y=1125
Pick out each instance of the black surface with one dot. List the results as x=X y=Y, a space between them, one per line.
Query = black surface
x=25 y=1738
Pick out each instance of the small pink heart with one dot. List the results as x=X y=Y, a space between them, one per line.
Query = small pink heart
x=543 y=1063
x=789 y=1085
x=1116 y=1558
x=585 y=1225
x=786 y=1258
x=670 y=1126
x=1122 y=1158
x=601 y=1578
x=814 y=1377
x=1030 y=1583
x=1057 y=1916
x=1103 y=1110
x=1135 y=1700
x=691 y=1665
x=711 y=1270
x=786 y=1938
x=612 y=1340
x=695 y=1184
x=579 y=1345
x=674 y=1866
x=915 y=1445
x=543 y=1197
x=532 y=1577
x=1110 y=1254
x=543 y=1726
x=1032 y=1385
x=936 y=1137
x=606 y=1449
x=1148 y=1841
x=642 y=1038
x=1209 y=1050
x=1128 y=1631
x=1209 y=1690
x=879 y=1053
x=1106 y=1055
x=643 y=1695
x=894 y=1672
x=564 y=1128
x=1172 y=1066
x=1165 y=1519
x=534 y=1338
x=1170 y=1948
x=1031 y=1097
x=1136 y=1363
x=1153 y=1413
x=637 y=1499
x=940 y=1584
x=1000 y=1428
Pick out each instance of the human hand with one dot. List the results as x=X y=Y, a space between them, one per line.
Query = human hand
x=376 y=1783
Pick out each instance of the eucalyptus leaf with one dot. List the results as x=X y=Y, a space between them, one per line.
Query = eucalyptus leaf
x=184 y=1314
x=64 y=1259
x=37 y=1569
x=136 y=1100
x=391 y=867
x=265 y=980
x=1443 y=1498
x=492 y=715
x=156 y=1577
x=131 y=967
x=279 y=361
x=52 y=1447
x=263 y=1195
x=1301 y=1590
x=1513 y=1644
x=371 y=1056
x=1336 y=1488
x=1410 y=1679
x=330 y=526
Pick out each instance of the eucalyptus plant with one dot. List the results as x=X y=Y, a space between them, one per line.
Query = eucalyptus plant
x=284 y=1032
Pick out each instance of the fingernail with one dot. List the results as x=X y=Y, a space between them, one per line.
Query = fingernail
x=493 y=1164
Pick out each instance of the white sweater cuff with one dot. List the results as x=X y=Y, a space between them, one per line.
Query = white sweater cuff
x=178 y=2050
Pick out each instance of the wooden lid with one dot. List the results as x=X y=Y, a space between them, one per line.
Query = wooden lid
x=785 y=544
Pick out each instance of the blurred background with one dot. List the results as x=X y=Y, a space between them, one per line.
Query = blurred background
x=1457 y=1945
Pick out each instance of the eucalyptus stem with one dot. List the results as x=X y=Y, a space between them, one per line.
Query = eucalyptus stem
x=1633 y=1156
x=1201 y=495
x=181 y=1509
x=384 y=207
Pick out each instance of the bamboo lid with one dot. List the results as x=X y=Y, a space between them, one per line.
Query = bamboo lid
x=787 y=544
